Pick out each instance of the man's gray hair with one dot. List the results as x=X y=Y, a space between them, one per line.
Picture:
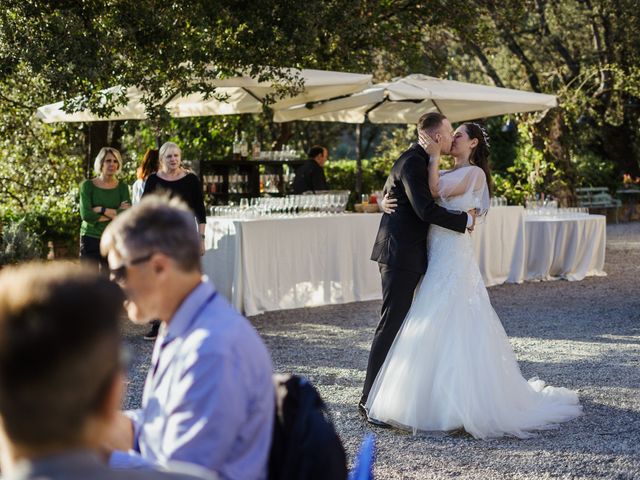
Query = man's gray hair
x=156 y=224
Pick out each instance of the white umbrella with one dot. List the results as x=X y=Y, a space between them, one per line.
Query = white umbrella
x=406 y=99
x=241 y=94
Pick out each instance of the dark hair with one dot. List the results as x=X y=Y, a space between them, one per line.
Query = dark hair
x=149 y=164
x=59 y=350
x=430 y=121
x=315 y=151
x=480 y=153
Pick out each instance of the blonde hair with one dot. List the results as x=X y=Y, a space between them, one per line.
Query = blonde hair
x=99 y=162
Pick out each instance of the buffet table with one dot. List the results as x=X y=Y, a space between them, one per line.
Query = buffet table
x=568 y=247
x=499 y=244
x=275 y=263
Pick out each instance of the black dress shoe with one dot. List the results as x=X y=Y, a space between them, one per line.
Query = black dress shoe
x=378 y=423
x=362 y=409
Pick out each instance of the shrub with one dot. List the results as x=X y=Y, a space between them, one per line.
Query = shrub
x=19 y=244
x=341 y=175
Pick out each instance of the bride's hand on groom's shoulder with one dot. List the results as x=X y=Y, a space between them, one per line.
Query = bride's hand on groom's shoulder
x=388 y=204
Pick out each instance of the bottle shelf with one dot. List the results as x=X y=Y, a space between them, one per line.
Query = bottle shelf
x=226 y=172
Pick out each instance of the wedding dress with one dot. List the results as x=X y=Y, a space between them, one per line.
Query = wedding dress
x=451 y=365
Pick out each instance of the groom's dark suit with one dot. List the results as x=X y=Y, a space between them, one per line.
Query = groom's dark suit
x=401 y=248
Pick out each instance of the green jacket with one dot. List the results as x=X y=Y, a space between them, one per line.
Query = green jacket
x=92 y=196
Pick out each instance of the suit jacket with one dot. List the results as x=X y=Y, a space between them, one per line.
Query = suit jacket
x=85 y=465
x=402 y=236
x=309 y=177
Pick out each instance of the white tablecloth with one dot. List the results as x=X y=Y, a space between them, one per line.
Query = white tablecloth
x=278 y=263
x=499 y=246
x=565 y=247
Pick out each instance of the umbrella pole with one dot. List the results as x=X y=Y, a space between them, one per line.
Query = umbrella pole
x=437 y=107
x=359 y=159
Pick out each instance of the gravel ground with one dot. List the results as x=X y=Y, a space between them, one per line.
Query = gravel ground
x=581 y=335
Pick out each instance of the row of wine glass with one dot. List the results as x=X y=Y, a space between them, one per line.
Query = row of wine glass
x=326 y=203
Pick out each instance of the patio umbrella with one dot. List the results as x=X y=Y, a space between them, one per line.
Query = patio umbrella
x=242 y=94
x=406 y=99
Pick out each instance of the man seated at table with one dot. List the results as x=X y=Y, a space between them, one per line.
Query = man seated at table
x=310 y=175
x=209 y=397
x=61 y=379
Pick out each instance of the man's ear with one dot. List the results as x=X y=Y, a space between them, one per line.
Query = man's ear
x=159 y=262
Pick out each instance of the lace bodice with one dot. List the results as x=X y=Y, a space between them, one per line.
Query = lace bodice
x=463 y=189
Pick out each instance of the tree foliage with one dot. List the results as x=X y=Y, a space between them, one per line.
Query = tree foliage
x=585 y=51
x=81 y=47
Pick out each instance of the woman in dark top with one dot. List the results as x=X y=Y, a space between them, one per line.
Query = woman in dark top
x=177 y=181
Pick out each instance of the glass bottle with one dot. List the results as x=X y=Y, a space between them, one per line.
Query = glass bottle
x=236 y=147
x=244 y=147
x=255 y=148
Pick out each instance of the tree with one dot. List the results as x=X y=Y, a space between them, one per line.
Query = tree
x=582 y=50
x=80 y=48
x=41 y=164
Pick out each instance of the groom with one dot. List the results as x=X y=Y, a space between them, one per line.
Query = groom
x=401 y=244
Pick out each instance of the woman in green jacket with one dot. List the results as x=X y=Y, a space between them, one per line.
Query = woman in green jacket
x=101 y=199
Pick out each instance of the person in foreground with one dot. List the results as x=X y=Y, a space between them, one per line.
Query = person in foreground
x=209 y=396
x=401 y=243
x=61 y=379
x=451 y=365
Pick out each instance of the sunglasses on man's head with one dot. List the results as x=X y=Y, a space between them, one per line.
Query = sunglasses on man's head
x=119 y=274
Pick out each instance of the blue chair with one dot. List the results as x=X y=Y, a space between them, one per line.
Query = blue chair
x=363 y=470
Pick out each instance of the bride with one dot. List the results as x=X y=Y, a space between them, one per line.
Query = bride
x=451 y=365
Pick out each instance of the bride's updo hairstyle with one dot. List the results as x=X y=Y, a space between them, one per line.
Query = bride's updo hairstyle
x=480 y=153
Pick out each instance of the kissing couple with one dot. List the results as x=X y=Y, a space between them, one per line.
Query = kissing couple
x=440 y=358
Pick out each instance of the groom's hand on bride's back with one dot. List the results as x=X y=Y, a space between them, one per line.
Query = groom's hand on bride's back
x=472 y=214
x=388 y=204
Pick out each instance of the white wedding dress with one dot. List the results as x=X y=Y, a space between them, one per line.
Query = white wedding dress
x=451 y=365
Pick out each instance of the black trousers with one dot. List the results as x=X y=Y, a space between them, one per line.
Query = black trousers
x=398 y=287
x=90 y=253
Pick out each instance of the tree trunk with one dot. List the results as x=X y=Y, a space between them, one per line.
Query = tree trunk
x=284 y=137
x=514 y=47
x=96 y=137
x=549 y=136
x=485 y=64
x=574 y=67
